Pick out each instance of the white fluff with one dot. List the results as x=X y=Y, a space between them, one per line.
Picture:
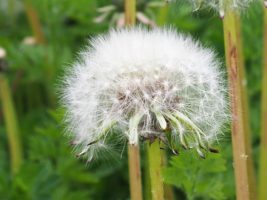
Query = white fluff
x=143 y=84
x=221 y=5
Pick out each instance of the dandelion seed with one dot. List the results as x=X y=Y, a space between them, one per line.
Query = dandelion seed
x=220 y=5
x=144 y=97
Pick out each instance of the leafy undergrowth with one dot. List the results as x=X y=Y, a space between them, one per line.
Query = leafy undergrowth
x=52 y=171
x=199 y=178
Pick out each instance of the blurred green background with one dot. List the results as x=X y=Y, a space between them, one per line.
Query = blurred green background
x=50 y=169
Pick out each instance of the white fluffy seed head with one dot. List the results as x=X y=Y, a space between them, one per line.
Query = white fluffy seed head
x=221 y=6
x=145 y=84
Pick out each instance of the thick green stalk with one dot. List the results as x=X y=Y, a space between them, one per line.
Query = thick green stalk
x=246 y=113
x=244 y=176
x=245 y=104
x=147 y=186
x=155 y=168
x=34 y=22
x=11 y=125
x=263 y=147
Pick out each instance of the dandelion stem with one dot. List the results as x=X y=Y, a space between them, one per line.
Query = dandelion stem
x=11 y=125
x=168 y=189
x=155 y=165
x=161 y=20
x=134 y=158
x=147 y=186
x=133 y=150
x=263 y=150
x=34 y=22
x=135 y=173
x=130 y=12
x=245 y=104
x=245 y=186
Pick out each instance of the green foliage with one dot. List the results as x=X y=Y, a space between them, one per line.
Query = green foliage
x=51 y=170
x=198 y=178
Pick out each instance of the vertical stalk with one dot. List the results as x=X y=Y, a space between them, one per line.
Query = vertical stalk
x=135 y=173
x=147 y=186
x=155 y=168
x=245 y=187
x=246 y=114
x=34 y=22
x=245 y=104
x=130 y=12
x=133 y=150
x=168 y=189
x=263 y=147
x=11 y=125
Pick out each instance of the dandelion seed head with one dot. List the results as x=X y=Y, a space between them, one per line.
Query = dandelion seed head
x=221 y=6
x=141 y=82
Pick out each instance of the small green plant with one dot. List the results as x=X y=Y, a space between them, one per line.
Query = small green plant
x=197 y=177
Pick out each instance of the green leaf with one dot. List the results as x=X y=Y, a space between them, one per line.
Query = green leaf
x=198 y=178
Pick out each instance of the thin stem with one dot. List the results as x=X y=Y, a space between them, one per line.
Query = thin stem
x=133 y=150
x=134 y=171
x=263 y=146
x=168 y=189
x=245 y=187
x=34 y=22
x=11 y=125
x=155 y=167
x=130 y=12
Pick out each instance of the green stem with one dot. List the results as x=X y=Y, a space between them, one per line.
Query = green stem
x=11 y=125
x=168 y=189
x=134 y=158
x=130 y=12
x=133 y=150
x=155 y=167
x=147 y=186
x=263 y=147
x=245 y=104
x=244 y=176
x=34 y=22
x=134 y=171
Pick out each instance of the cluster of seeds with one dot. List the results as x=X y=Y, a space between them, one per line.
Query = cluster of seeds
x=145 y=85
